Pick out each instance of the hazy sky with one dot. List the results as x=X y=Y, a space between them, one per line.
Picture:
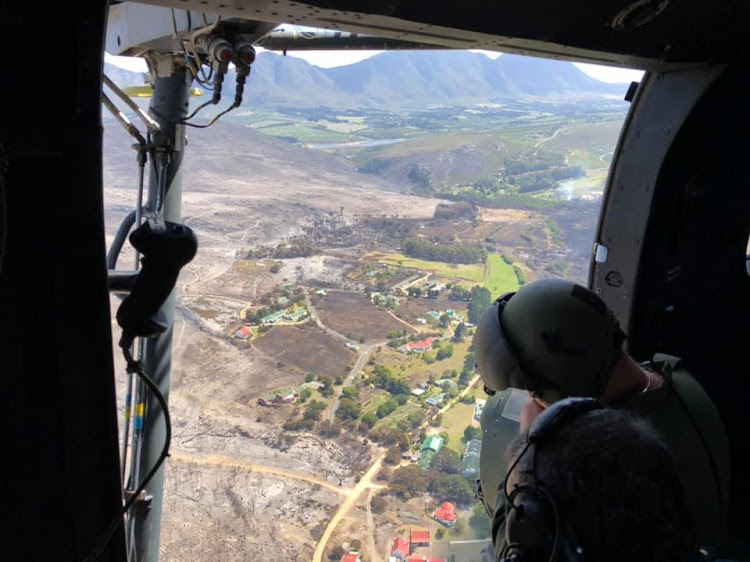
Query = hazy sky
x=328 y=59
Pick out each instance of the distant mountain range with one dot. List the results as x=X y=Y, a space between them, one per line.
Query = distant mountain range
x=406 y=79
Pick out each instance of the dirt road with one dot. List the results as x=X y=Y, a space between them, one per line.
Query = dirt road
x=316 y=318
x=371 y=529
x=541 y=142
x=364 y=355
x=404 y=322
x=472 y=382
x=351 y=499
x=228 y=462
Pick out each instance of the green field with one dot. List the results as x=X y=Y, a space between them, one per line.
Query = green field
x=305 y=133
x=397 y=415
x=455 y=421
x=597 y=138
x=371 y=406
x=471 y=272
x=502 y=278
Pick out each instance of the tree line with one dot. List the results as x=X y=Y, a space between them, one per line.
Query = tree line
x=450 y=253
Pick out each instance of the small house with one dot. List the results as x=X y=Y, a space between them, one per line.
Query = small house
x=445 y=514
x=243 y=333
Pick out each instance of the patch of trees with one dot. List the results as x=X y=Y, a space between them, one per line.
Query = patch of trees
x=298 y=424
x=314 y=410
x=471 y=433
x=312 y=413
x=386 y=408
x=337 y=553
x=481 y=301
x=456 y=211
x=295 y=247
x=348 y=409
x=330 y=428
x=445 y=350
x=375 y=166
x=448 y=461
x=480 y=522
x=327 y=389
x=520 y=275
x=554 y=229
x=450 y=253
x=545 y=179
x=410 y=481
x=468 y=370
x=393 y=455
x=458 y=335
x=378 y=504
x=387 y=436
x=350 y=392
x=421 y=179
x=459 y=293
x=540 y=161
x=383 y=378
x=502 y=200
x=368 y=421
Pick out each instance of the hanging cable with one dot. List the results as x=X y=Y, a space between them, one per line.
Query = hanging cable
x=136 y=367
x=245 y=56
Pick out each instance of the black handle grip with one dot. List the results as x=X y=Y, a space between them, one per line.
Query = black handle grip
x=164 y=254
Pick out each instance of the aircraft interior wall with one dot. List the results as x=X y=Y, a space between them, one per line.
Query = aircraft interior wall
x=693 y=293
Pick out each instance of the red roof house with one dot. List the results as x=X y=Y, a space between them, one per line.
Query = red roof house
x=445 y=514
x=420 y=538
x=243 y=333
x=351 y=557
x=418 y=347
x=400 y=548
x=421 y=558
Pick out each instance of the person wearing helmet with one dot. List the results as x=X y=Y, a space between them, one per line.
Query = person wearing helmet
x=555 y=339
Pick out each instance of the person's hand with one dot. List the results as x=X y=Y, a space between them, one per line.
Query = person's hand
x=530 y=411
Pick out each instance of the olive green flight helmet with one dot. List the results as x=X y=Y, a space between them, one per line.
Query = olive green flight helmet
x=552 y=337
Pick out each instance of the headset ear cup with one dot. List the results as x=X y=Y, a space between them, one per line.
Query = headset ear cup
x=530 y=526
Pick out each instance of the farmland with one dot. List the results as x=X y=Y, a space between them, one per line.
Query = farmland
x=306 y=350
x=502 y=277
x=471 y=272
x=355 y=316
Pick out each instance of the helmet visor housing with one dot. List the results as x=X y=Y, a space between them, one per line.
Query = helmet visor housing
x=495 y=358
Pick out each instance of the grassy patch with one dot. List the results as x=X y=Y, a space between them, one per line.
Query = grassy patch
x=471 y=272
x=598 y=138
x=502 y=277
x=380 y=397
x=455 y=421
x=398 y=414
x=305 y=133
x=413 y=366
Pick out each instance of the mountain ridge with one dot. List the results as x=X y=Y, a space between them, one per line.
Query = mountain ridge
x=407 y=80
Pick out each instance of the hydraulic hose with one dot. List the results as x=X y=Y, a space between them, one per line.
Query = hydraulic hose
x=122 y=234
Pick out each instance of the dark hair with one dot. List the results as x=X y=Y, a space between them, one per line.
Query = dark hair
x=616 y=485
